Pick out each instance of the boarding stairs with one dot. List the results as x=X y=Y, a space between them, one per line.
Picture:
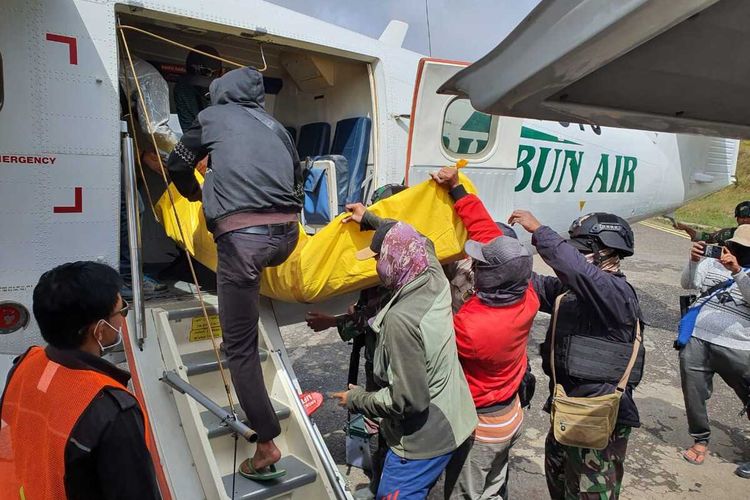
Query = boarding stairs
x=196 y=448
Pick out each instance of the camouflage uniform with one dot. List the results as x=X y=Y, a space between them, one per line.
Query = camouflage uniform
x=716 y=238
x=581 y=473
x=354 y=327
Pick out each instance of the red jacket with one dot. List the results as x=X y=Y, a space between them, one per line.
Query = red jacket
x=491 y=340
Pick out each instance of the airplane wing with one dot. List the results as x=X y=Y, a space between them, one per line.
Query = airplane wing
x=647 y=64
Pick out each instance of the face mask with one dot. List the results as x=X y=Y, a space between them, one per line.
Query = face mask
x=117 y=342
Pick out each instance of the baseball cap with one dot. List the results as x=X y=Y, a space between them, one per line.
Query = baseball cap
x=497 y=252
x=377 y=241
x=506 y=229
x=501 y=261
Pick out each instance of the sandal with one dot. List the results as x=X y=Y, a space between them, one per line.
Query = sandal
x=264 y=474
x=311 y=401
x=700 y=456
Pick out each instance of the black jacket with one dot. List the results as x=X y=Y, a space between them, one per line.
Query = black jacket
x=601 y=304
x=189 y=98
x=250 y=169
x=106 y=455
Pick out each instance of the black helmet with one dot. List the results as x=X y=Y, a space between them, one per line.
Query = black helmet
x=386 y=191
x=600 y=230
x=742 y=210
x=199 y=64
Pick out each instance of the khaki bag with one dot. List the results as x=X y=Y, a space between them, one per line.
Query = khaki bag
x=586 y=422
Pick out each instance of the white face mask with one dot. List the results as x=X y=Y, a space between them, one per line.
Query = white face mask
x=118 y=340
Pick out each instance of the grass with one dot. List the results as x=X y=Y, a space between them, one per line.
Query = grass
x=717 y=209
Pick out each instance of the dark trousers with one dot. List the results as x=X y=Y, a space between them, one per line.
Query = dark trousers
x=699 y=360
x=242 y=258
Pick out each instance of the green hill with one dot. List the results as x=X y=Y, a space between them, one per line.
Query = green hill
x=717 y=209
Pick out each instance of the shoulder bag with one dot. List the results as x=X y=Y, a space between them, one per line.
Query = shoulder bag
x=586 y=422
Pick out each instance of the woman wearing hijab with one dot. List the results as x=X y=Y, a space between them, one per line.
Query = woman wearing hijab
x=424 y=402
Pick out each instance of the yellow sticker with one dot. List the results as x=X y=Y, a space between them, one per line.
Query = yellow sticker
x=199 y=328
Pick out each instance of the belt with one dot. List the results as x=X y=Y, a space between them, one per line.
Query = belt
x=268 y=229
x=498 y=406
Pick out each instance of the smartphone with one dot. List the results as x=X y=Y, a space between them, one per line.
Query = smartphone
x=712 y=251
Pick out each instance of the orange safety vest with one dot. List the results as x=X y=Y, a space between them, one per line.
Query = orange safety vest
x=42 y=403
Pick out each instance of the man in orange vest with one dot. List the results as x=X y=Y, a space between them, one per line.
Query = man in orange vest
x=70 y=429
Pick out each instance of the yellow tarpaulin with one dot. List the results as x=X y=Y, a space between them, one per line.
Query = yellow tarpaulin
x=323 y=265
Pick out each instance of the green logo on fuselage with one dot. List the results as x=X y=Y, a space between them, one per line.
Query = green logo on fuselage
x=559 y=168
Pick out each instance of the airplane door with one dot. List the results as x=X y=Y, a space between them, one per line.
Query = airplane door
x=445 y=129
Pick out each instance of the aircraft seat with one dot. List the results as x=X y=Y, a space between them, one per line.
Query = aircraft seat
x=321 y=202
x=352 y=141
x=292 y=133
x=314 y=140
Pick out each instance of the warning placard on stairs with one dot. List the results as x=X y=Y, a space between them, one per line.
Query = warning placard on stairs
x=199 y=328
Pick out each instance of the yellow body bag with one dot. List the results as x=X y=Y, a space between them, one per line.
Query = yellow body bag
x=323 y=265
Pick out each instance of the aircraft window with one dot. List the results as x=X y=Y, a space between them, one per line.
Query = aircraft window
x=2 y=94
x=465 y=130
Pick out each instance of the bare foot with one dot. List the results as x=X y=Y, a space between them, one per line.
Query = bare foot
x=265 y=454
x=696 y=454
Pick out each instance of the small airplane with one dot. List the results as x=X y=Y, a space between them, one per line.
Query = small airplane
x=63 y=148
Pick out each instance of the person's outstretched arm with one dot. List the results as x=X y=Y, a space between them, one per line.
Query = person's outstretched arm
x=590 y=284
x=408 y=392
x=183 y=160
x=469 y=207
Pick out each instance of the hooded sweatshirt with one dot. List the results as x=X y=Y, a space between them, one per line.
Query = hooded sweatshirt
x=492 y=338
x=250 y=169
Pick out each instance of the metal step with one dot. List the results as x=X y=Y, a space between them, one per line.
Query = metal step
x=188 y=310
x=215 y=428
x=297 y=474
x=200 y=362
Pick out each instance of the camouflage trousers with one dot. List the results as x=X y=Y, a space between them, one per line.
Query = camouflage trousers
x=582 y=473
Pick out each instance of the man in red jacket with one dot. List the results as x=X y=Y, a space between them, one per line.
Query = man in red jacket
x=492 y=329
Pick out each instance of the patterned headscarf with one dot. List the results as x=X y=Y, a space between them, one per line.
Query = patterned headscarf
x=608 y=260
x=403 y=256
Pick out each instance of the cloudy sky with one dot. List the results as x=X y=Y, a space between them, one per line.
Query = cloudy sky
x=463 y=30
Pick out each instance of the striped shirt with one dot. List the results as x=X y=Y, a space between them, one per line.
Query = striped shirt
x=725 y=318
x=500 y=426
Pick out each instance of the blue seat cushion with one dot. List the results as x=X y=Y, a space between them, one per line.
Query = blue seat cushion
x=316 y=207
x=314 y=140
x=352 y=141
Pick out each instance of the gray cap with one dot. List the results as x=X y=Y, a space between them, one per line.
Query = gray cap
x=502 y=260
x=506 y=229
x=496 y=252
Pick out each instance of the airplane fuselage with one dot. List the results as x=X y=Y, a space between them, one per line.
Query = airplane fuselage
x=62 y=106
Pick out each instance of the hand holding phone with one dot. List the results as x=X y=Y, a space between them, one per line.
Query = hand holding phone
x=712 y=251
x=729 y=261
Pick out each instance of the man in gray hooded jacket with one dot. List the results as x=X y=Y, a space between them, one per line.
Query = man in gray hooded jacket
x=252 y=196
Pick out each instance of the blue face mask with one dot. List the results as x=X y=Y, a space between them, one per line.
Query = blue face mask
x=105 y=349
